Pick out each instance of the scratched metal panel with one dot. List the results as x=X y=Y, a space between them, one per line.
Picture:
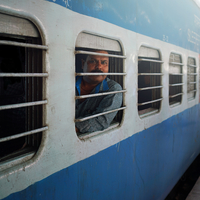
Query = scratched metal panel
x=86 y=40
x=17 y=26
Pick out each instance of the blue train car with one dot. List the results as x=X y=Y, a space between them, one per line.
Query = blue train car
x=153 y=50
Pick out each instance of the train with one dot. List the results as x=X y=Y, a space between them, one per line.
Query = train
x=154 y=51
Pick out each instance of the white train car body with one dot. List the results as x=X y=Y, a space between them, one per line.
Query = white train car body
x=143 y=156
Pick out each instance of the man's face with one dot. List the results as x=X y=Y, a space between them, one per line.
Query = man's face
x=94 y=63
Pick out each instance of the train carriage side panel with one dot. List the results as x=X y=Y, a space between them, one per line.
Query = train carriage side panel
x=142 y=154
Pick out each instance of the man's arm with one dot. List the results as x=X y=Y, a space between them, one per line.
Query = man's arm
x=109 y=102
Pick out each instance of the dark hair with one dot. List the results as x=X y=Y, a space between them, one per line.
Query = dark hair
x=80 y=57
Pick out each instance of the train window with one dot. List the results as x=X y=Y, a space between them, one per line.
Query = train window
x=149 y=81
x=102 y=107
x=191 y=78
x=21 y=90
x=175 y=79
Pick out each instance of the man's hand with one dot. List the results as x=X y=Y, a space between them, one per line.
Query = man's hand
x=77 y=129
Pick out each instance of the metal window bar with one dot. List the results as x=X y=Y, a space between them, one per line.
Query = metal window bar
x=176 y=84
x=192 y=66
x=194 y=74
x=148 y=102
x=175 y=63
x=149 y=88
x=192 y=91
x=23 y=134
x=192 y=83
x=172 y=96
x=150 y=74
x=23 y=74
x=20 y=105
x=99 y=54
x=97 y=115
x=176 y=74
x=99 y=94
x=97 y=74
x=20 y=44
x=150 y=60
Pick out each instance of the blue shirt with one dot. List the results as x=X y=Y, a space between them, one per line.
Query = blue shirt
x=95 y=105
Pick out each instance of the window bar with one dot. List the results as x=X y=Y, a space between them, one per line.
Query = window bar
x=192 y=83
x=96 y=115
x=192 y=66
x=172 y=96
x=97 y=74
x=99 y=54
x=194 y=74
x=192 y=91
x=20 y=44
x=150 y=74
x=150 y=60
x=99 y=94
x=23 y=134
x=175 y=63
x=149 y=88
x=20 y=105
x=176 y=84
x=148 y=102
x=23 y=74
x=176 y=74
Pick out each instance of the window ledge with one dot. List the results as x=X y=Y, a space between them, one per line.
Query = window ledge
x=89 y=135
x=173 y=104
x=147 y=112
x=16 y=158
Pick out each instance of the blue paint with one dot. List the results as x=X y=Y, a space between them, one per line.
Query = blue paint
x=140 y=167
x=164 y=20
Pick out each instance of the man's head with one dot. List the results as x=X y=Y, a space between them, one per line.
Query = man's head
x=95 y=64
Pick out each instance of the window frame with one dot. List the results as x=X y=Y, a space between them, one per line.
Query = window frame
x=172 y=64
x=150 y=111
x=19 y=156
x=194 y=74
x=123 y=74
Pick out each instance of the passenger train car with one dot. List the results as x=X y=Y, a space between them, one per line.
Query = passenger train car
x=153 y=51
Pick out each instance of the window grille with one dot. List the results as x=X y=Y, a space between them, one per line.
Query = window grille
x=175 y=79
x=87 y=44
x=191 y=78
x=149 y=81
x=22 y=97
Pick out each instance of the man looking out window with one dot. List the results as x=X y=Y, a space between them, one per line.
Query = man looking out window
x=93 y=84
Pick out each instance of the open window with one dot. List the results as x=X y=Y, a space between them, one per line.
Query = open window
x=88 y=44
x=175 y=79
x=191 y=78
x=21 y=90
x=149 y=81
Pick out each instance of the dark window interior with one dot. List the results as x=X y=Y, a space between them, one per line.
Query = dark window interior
x=175 y=79
x=145 y=81
x=16 y=90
